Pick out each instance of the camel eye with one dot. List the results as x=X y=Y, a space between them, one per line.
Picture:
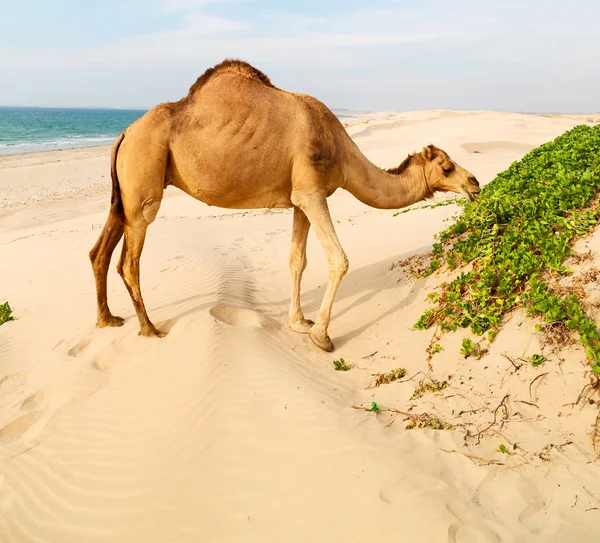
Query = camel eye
x=447 y=169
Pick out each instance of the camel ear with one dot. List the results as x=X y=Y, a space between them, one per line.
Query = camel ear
x=427 y=153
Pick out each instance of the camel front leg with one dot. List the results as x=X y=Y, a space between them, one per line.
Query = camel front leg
x=315 y=208
x=100 y=256
x=300 y=229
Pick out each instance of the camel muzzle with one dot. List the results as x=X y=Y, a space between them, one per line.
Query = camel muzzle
x=471 y=192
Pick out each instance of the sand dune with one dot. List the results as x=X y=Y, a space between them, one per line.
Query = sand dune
x=233 y=428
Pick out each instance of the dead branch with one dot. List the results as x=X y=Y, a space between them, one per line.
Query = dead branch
x=502 y=404
x=461 y=413
x=528 y=403
x=512 y=362
x=596 y=436
x=417 y=420
x=531 y=384
x=369 y=355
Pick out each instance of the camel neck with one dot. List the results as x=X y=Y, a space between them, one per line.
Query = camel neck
x=383 y=190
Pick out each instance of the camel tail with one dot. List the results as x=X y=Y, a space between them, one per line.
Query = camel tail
x=116 y=203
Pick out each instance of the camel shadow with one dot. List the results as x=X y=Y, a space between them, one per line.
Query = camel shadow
x=367 y=281
x=168 y=324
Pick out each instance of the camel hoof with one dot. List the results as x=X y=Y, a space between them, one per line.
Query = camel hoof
x=152 y=332
x=323 y=343
x=111 y=321
x=302 y=327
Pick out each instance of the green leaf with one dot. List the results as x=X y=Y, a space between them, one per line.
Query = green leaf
x=340 y=365
x=537 y=360
x=5 y=313
x=374 y=407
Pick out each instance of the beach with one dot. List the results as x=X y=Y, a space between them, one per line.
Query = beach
x=233 y=428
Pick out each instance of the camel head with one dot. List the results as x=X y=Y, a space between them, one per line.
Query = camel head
x=444 y=175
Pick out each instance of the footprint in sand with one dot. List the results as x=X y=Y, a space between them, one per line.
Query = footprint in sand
x=270 y=237
x=79 y=347
x=243 y=318
x=412 y=488
x=19 y=426
x=236 y=317
x=13 y=380
x=34 y=401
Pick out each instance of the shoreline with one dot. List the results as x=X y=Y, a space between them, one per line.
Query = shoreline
x=67 y=147
x=41 y=153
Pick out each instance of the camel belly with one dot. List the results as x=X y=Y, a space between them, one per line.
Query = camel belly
x=268 y=200
x=235 y=192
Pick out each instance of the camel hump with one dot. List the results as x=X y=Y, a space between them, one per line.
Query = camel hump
x=231 y=66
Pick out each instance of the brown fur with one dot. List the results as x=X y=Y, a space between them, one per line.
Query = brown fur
x=410 y=160
x=325 y=149
x=237 y=67
x=242 y=143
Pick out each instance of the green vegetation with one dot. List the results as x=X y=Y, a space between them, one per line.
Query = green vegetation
x=374 y=407
x=515 y=235
x=437 y=204
x=467 y=347
x=471 y=349
x=537 y=360
x=340 y=365
x=502 y=449
x=5 y=313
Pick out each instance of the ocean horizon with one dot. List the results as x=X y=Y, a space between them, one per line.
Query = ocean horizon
x=45 y=128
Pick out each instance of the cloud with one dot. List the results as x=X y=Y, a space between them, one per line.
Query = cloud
x=206 y=25
x=268 y=38
x=420 y=51
x=172 y=6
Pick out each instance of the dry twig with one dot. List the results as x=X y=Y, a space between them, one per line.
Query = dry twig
x=530 y=384
x=502 y=404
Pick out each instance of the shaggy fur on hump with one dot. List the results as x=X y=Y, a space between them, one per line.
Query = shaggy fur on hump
x=238 y=67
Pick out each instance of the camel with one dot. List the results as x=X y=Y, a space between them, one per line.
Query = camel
x=237 y=141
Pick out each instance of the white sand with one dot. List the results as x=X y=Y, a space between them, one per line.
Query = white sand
x=235 y=429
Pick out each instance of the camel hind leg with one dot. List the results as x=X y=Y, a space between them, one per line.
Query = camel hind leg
x=100 y=256
x=141 y=168
x=129 y=263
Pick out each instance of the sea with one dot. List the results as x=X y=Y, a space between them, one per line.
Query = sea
x=29 y=129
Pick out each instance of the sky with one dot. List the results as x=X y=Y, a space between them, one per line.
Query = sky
x=401 y=55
